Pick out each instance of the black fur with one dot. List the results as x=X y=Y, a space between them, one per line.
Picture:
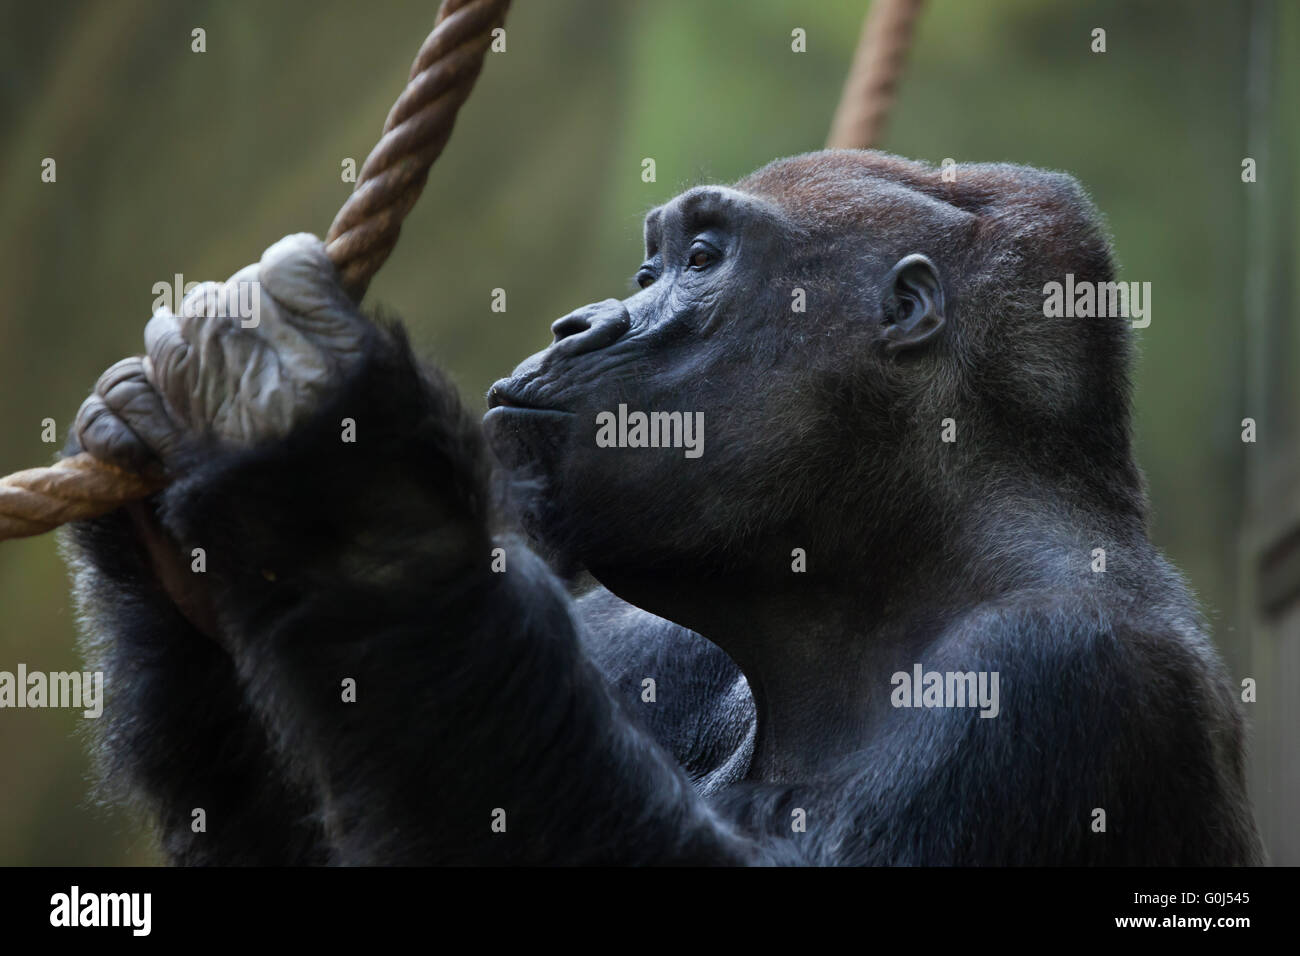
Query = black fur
x=479 y=690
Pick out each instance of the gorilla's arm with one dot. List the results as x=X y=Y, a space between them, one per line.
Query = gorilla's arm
x=331 y=562
x=699 y=707
x=176 y=734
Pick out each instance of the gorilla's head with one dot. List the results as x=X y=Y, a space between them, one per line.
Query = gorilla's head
x=822 y=318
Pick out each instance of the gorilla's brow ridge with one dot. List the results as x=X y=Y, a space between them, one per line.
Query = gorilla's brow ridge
x=702 y=207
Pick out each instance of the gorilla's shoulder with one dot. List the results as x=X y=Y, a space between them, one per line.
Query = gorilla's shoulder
x=1097 y=664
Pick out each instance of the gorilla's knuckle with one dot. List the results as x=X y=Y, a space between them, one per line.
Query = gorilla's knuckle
x=119 y=373
x=168 y=355
x=91 y=409
x=125 y=393
x=293 y=255
x=108 y=438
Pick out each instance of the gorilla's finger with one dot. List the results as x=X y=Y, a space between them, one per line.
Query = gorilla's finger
x=121 y=371
x=171 y=365
x=298 y=275
x=127 y=393
x=108 y=438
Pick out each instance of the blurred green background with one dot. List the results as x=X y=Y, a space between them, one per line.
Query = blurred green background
x=170 y=161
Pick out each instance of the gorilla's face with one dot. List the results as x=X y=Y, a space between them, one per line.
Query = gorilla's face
x=704 y=413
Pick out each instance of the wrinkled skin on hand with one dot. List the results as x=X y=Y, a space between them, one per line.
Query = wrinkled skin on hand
x=221 y=373
x=225 y=374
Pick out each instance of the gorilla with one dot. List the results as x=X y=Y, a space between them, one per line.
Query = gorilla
x=867 y=571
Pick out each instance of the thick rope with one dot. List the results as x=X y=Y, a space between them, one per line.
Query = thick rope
x=873 y=78
x=418 y=127
x=363 y=234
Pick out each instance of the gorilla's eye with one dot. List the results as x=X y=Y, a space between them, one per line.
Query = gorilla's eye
x=702 y=255
x=644 y=277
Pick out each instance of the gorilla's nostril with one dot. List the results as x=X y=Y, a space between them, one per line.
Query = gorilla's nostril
x=569 y=325
x=591 y=327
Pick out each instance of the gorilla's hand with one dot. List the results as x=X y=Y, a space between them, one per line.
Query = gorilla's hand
x=243 y=363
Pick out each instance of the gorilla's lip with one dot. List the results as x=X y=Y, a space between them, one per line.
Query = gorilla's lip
x=505 y=395
x=515 y=411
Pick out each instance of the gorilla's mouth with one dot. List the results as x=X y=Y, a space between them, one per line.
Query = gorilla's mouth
x=506 y=395
x=523 y=431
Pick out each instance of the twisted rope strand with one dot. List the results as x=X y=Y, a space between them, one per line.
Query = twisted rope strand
x=417 y=128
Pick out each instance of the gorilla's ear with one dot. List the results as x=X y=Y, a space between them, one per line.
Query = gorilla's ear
x=913 y=307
